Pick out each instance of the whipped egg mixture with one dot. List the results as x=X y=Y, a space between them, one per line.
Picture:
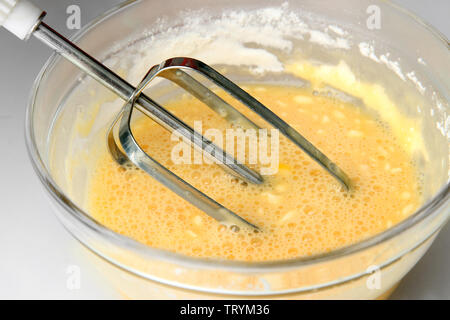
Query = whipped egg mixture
x=301 y=210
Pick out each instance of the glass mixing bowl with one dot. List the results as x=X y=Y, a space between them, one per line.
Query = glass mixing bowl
x=399 y=52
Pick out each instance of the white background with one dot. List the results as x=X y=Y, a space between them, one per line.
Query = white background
x=36 y=251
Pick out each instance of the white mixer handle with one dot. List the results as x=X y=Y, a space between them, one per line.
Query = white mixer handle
x=19 y=17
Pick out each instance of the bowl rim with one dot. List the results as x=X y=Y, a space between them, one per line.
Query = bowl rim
x=429 y=209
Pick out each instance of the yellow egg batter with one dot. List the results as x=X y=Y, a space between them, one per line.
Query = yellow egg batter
x=301 y=210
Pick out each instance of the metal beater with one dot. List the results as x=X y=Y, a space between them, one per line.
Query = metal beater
x=24 y=19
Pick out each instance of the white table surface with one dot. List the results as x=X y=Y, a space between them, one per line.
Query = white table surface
x=36 y=251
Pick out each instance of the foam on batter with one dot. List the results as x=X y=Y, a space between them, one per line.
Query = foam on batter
x=301 y=210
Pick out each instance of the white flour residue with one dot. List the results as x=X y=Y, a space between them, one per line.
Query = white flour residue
x=393 y=65
x=443 y=125
x=412 y=76
x=367 y=50
x=326 y=40
x=339 y=31
x=243 y=38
